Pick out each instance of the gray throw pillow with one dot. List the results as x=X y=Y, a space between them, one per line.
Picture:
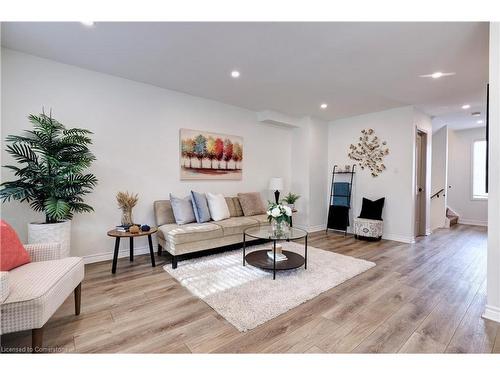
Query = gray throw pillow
x=200 y=207
x=183 y=210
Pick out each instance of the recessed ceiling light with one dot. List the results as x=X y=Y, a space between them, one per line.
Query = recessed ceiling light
x=437 y=75
x=235 y=74
x=480 y=121
x=323 y=106
x=466 y=106
x=87 y=23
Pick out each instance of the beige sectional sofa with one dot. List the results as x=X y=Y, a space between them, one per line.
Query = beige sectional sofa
x=192 y=237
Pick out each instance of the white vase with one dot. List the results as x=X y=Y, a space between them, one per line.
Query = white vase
x=53 y=232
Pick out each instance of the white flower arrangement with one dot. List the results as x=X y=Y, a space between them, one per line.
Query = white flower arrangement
x=279 y=212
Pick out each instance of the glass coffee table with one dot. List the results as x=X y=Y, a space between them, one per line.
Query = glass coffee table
x=260 y=258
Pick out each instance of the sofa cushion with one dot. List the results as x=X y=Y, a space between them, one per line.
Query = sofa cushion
x=183 y=209
x=4 y=286
x=200 y=207
x=12 y=252
x=37 y=290
x=35 y=279
x=193 y=232
x=235 y=225
x=218 y=206
x=251 y=204
x=261 y=219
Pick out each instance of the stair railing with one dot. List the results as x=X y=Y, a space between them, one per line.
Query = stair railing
x=436 y=195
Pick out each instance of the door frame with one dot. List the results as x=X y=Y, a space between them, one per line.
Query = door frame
x=420 y=178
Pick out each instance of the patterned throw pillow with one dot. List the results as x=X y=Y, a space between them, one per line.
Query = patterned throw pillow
x=200 y=207
x=12 y=252
x=237 y=206
x=251 y=204
x=183 y=210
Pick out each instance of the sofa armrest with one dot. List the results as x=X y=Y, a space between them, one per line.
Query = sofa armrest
x=4 y=286
x=43 y=251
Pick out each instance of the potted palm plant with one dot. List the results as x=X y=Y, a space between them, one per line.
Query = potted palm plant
x=290 y=200
x=50 y=176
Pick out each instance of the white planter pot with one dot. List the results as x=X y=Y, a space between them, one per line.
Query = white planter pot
x=55 y=232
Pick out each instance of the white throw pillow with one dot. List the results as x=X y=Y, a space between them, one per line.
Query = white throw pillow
x=217 y=206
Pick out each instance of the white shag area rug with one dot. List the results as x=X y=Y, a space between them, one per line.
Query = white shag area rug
x=247 y=296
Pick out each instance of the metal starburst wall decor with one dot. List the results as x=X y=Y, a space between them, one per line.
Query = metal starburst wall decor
x=369 y=152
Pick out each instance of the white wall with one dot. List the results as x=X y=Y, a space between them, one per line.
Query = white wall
x=136 y=140
x=493 y=273
x=460 y=177
x=397 y=127
x=439 y=177
x=309 y=161
x=318 y=174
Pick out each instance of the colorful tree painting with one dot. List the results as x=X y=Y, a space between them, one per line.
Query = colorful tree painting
x=211 y=150
x=200 y=148
x=237 y=154
x=187 y=149
x=219 y=150
x=228 y=150
x=210 y=147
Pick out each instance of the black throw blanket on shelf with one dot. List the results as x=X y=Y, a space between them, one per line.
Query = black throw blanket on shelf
x=338 y=217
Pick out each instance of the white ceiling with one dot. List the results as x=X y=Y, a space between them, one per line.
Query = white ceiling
x=287 y=67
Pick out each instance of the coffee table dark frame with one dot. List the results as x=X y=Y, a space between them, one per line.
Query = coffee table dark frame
x=260 y=259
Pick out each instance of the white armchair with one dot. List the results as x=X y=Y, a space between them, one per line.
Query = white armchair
x=30 y=294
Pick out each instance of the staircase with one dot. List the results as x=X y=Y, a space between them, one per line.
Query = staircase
x=451 y=218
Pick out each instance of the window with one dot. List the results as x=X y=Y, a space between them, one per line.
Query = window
x=479 y=170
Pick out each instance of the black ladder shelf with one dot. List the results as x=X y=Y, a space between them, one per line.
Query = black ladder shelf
x=338 y=214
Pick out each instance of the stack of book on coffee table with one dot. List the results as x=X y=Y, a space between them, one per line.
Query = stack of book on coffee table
x=279 y=254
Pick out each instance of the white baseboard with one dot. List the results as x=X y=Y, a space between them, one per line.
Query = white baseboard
x=316 y=228
x=398 y=238
x=472 y=222
x=94 y=258
x=492 y=313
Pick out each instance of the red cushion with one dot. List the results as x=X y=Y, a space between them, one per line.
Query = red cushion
x=12 y=252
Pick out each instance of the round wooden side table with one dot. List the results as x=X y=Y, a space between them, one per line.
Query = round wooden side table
x=119 y=235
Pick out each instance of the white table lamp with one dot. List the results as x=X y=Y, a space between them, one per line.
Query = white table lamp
x=276 y=184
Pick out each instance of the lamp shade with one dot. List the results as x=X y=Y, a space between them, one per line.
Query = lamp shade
x=276 y=183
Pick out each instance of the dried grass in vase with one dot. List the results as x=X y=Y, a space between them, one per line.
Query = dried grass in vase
x=126 y=202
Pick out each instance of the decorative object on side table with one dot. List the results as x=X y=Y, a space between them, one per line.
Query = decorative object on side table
x=280 y=217
x=134 y=229
x=119 y=234
x=276 y=185
x=52 y=177
x=126 y=202
x=369 y=152
x=290 y=200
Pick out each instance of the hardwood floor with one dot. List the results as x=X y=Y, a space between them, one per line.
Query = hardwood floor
x=427 y=298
